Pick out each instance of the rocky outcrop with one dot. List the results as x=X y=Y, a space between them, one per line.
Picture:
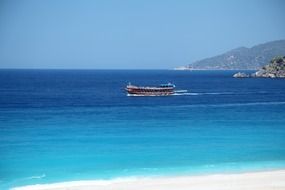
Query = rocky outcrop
x=240 y=75
x=275 y=69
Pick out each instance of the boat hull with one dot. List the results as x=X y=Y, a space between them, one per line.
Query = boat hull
x=149 y=91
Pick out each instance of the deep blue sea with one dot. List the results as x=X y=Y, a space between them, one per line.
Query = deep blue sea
x=64 y=125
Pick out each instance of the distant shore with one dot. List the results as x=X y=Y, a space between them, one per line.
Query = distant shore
x=265 y=180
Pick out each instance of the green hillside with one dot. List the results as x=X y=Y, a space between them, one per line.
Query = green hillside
x=242 y=58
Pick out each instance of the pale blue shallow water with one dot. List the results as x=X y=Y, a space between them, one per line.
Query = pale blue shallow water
x=58 y=125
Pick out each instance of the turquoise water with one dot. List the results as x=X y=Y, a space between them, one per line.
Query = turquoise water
x=79 y=125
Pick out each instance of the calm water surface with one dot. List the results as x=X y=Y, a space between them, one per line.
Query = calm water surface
x=63 y=125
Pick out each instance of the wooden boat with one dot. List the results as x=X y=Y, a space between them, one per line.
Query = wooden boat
x=162 y=90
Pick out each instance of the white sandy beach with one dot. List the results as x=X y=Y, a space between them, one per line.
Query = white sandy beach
x=267 y=180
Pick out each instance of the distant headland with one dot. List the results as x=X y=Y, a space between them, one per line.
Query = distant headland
x=241 y=58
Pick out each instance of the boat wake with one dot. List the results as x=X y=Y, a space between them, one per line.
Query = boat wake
x=186 y=93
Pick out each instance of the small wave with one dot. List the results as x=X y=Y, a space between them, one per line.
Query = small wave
x=150 y=169
x=37 y=176
x=79 y=183
x=209 y=166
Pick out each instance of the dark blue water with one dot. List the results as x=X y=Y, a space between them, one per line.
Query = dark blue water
x=62 y=125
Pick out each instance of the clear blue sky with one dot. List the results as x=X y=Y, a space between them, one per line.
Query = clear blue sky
x=131 y=34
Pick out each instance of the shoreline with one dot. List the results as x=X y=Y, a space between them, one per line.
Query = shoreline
x=258 y=180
